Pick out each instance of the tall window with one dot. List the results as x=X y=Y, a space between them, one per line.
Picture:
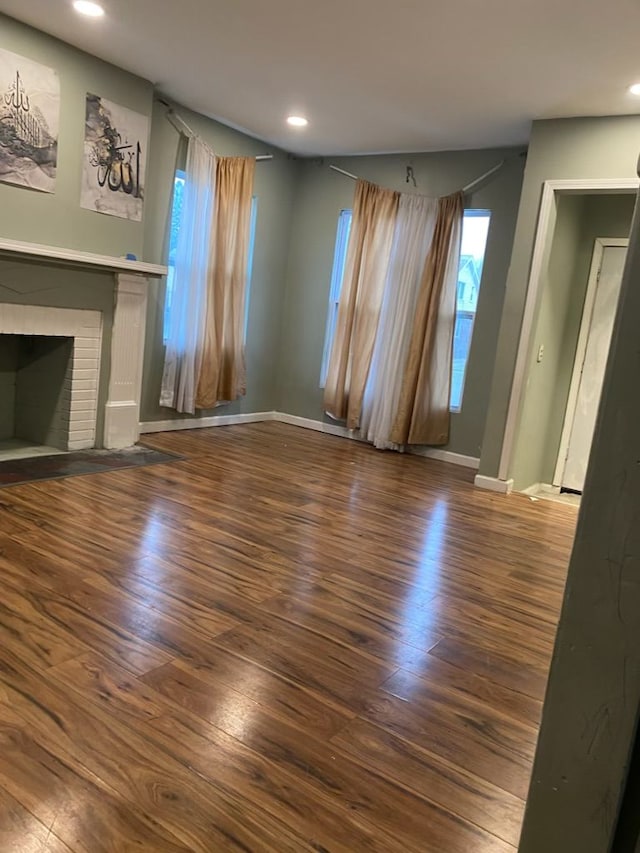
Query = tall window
x=337 y=274
x=475 y=231
x=176 y=218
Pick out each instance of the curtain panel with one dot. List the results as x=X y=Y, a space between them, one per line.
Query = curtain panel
x=372 y=229
x=413 y=235
x=423 y=415
x=185 y=334
x=390 y=367
x=205 y=350
x=222 y=375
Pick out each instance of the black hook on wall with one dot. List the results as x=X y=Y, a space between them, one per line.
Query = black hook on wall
x=411 y=176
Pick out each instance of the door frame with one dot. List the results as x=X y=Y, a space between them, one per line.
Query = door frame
x=600 y=244
x=550 y=191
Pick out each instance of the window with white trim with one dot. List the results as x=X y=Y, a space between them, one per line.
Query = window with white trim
x=475 y=230
x=176 y=214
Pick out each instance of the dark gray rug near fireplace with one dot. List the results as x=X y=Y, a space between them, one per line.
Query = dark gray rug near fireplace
x=16 y=471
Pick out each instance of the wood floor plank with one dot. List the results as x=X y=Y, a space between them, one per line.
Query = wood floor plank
x=85 y=813
x=21 y=832
x=513 y=668
x=81 y=624
x=109 y=685
x=493 y=747
x=321 y=611
x=282 y=642
x=326 y=666
x=204 y=690
x=398 y=812
x=26 y=625
x=417 y=687
x=180 y=802
x=168 y=636
x=460 y=792
x=325 y=822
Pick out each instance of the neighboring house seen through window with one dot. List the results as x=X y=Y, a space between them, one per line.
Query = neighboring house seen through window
x=475 y=229
x=174 y=231
x=474 y=240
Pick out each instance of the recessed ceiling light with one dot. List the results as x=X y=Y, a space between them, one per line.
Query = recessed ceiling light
x=85 y=7
x=297 y=121
x=635 y=89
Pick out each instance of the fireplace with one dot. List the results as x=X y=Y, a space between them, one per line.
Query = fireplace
x=34 y=393
x=70 y=370
x=49 y=374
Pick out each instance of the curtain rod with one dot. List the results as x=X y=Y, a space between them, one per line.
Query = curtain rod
x=466 y=189
x=182 y=127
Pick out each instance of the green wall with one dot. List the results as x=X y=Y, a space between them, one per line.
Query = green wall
x=582 y=148
x=320 y=195
x=56 y=219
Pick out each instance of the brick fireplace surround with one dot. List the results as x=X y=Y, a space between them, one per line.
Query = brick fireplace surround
x=122 y=408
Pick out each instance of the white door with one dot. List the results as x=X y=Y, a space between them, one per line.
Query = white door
x=591 y=360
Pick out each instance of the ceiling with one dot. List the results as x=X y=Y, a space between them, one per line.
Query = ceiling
x=370 y=75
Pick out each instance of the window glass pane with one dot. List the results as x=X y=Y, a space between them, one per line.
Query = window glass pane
x=176 y=218
x=337 y=274
x=475 y=230
x=252 y=245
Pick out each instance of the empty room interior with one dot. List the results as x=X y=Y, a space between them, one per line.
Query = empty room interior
x=319 y=476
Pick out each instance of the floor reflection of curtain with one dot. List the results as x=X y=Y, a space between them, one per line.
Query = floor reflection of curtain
x=413 y=235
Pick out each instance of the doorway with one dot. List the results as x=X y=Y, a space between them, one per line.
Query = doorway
x=592 y=351
x=552 y=399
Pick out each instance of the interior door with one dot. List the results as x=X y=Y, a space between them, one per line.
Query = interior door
x=600 y=312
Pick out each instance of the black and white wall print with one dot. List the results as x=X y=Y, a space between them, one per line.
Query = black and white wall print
x=115 y=156
x=29 y=122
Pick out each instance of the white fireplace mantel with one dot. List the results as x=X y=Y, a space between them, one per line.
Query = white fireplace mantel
x=122 y=409
x=74 y=257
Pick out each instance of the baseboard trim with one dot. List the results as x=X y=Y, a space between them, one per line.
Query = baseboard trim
x=343 y=432
x=318 y=426
x=534 y=488
x=447 y=456
x=305 y=423
x=212 y=421
x=493 y=484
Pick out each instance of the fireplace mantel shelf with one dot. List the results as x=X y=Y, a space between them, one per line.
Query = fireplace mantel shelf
x=73 y=257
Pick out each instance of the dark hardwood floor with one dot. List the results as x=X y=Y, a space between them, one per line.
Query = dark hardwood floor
x=285 y=642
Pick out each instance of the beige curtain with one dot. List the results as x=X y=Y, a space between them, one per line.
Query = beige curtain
x=374 y=217
x=221 y=375
x=423 y=409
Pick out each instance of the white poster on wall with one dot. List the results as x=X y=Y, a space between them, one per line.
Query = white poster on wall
x=29 y=122
x=115 y=157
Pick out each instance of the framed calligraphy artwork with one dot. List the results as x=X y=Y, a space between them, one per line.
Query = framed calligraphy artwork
x=115 y=156
x=29 y=122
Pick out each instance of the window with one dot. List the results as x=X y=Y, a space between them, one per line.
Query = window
x=337 y=274
x=176 y=218
x=252 y=243
x=174 y=230
x=475 y=230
